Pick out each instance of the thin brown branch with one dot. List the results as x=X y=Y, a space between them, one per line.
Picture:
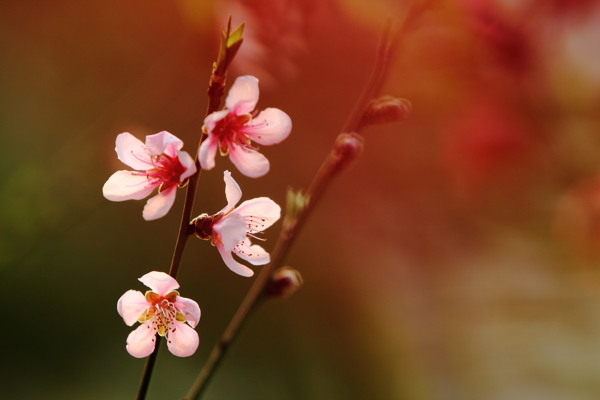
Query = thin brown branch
x=215 y=91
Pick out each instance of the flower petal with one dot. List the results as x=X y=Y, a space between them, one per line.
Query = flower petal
x=211 y=120
x=159 y=205
x=243 y=95
x=133 y=152
x=163 y=142
x=232 y=191
x=231 y=230
x=160 y=282
x=190 y=310
x=127 y=185
x=188 y=163
x=141 y=342
x=131 y=306
x=249 y=162
x=254 y=254
x=207 y=153
x=271 y=126
x=182 y=340
x=232 y=264
x=261 y=208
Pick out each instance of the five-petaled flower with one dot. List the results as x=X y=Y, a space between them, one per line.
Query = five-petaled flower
x=161 y=311
x=233 y=128
x=230 y=229
x=159 y=163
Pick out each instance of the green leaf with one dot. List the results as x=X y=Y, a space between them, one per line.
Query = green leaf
x=296 y=203
x=236 y=35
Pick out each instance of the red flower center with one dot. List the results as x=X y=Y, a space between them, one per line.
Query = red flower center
x=167 y=170
x=230 y=131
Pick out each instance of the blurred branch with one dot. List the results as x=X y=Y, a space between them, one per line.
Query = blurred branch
x=388 y=42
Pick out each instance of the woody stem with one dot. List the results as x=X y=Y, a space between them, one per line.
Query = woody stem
x=215 y=92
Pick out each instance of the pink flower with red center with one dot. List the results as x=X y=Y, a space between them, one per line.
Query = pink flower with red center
x=230 y=229
x=233 y=129
x=161 y=311
x=158 y=163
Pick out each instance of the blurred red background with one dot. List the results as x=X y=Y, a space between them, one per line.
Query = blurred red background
x=458 y=259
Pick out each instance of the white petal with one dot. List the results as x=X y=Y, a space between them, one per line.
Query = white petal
x=127 y=185
x=159 y=205
x=207 y=153
x=249 y=162
x=232 y=264
x=211 y=120
x=163 y=142
x=182 y=340
x=141 y=342
x=261 y=208
x=190 y=310
x=133 y=152
x=254 y=254
x=232 y=191
x=160 y=282
x=231 y=229
x=188 y=162
x=243 y=95
x=271 y=126
x=131 y=306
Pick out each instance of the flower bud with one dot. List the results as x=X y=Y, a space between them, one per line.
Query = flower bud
x=386 y=109
x=346 y=150
x=284 y=282
x=202 y=225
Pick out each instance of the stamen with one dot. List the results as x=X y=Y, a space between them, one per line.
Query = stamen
x=164 y=314
x=254 y=223
x=230 y=132
x=141 y=159
x=253 y=235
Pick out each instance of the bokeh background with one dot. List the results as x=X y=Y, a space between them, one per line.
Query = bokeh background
x=459 y=259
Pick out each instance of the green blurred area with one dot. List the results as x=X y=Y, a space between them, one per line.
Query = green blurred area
x=457 y=260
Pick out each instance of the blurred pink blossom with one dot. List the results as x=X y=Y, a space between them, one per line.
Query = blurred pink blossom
x=161 y=311
x=160 y=163
x=230 y=229
x=233 y=128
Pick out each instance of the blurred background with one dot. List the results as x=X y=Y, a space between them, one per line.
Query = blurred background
x=459 y=259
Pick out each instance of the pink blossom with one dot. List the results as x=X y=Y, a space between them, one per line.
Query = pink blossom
x=161 y=311
x=159 y=163
x=230 y=229
x=233 y=128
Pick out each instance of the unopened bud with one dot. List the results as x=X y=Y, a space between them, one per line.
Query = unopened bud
x=202 y=225
x=346 y=150
x=386 y=109
x=284 y=282
x=296 y=202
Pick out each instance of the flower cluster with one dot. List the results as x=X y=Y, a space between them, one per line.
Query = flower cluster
x=161 y=163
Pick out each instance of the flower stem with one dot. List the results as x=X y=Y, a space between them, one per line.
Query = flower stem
x=216 y=90
x=293 y=223
x=147 y=373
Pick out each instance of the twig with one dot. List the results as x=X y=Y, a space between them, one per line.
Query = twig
x=216 y=89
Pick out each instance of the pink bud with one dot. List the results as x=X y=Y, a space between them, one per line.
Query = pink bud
x=284 y=282
x=386 y=109
x=346 y=150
